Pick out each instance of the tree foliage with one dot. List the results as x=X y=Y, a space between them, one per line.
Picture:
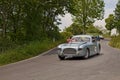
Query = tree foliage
x=31 y=19
x=74 y=29
x=23 y=21
x=87 y=11
x=66 y=35
x=110 y=23
x=117 y=16
x=93 y=30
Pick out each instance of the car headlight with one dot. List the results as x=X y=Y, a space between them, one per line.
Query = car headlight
x=59 y=50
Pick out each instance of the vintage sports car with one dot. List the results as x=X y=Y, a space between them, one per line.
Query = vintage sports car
x=79 y=46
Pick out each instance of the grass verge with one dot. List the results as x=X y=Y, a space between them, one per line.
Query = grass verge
x=26 y=51
x=115 y=42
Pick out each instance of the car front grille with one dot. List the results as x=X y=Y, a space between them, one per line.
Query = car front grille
x=69 y=51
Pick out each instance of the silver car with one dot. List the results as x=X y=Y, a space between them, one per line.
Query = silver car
x=79 y=46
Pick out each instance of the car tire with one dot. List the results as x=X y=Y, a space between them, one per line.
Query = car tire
x=87 y=54
x=61 y=57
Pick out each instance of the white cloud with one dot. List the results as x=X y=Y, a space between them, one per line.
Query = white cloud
x=108 y=11
x=66 y=21
x=100 y=23
x=110 y=3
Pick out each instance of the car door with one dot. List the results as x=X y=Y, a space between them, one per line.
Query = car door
x=93 y=46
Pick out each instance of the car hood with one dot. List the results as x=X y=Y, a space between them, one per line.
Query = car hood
x=71 y=45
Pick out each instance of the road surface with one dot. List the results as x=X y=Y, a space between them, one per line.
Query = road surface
x=48 y=67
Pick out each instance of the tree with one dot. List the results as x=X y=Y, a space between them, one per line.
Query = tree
x=117 y=16
x=65 y=35
x=93 y=30
x=22 y=21
x=41 y=17
x=31 y=19
x=4 y=14
x=110 y=23
x=87 y=11
x=74 y=29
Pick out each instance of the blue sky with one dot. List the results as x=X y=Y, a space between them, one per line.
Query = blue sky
x=109 y=6
x=109 y=9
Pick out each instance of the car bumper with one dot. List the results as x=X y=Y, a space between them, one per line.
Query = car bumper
x=77 y=54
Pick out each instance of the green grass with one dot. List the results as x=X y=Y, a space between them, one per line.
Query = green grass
x=26 y=51
x=115 y=42
x=107 y=35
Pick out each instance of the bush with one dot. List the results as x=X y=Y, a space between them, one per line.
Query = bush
x=26 y=51
x=6 y=44
x=115 y=42
x=66 y=35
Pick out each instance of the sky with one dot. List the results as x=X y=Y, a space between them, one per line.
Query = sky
x=109 y=9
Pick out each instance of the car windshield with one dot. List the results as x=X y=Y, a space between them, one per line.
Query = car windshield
x=80 y=39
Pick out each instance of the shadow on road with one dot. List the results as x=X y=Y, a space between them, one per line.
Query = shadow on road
x=81 y=58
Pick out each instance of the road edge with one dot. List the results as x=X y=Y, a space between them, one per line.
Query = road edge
x=42 y=54
x=111 y=46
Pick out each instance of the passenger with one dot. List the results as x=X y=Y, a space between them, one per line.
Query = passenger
x=69 y=39
x=98 y=38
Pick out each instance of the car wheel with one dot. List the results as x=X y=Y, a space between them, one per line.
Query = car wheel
x=87 y=54
x=61 y=57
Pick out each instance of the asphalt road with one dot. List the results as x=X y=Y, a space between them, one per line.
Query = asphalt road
x=48 y=67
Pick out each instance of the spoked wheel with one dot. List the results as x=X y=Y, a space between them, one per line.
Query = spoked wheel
x=61 y=57
x=87 y=54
